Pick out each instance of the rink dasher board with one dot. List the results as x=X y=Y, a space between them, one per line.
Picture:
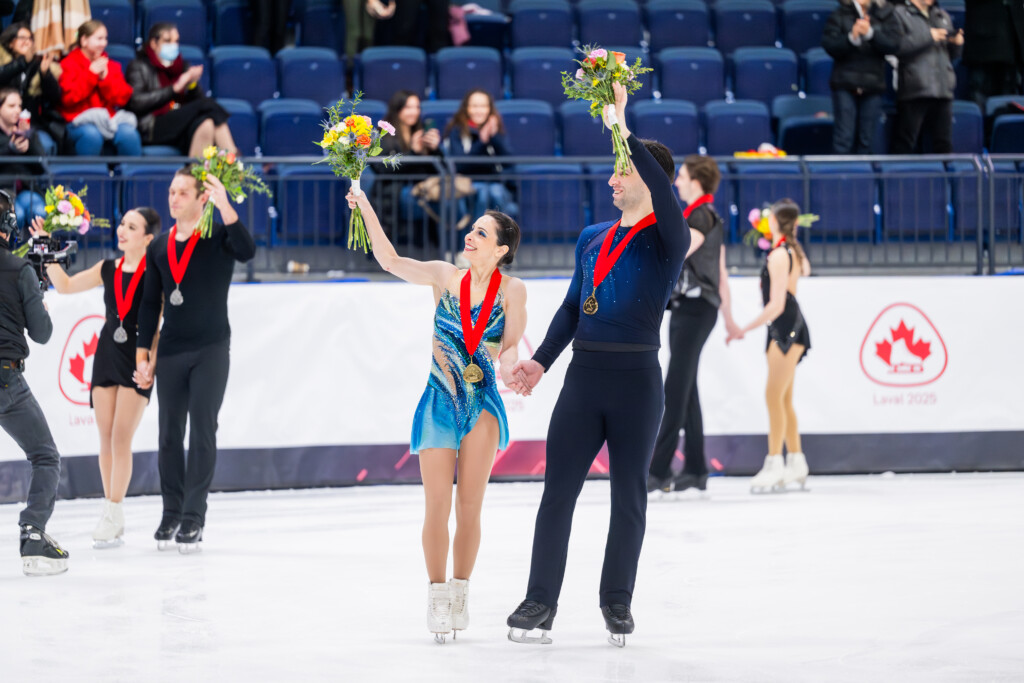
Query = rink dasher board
x=904 y=373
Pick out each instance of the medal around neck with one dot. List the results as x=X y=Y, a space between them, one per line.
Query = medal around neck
x=176 y=298
x=608 y=257
x=473 y=373
x=123 y=300
x=474 y=333
x=590 y=305
x=178 y=268
x=120 y=336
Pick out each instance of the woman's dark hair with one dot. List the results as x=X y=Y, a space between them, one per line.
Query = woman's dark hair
x=460 y=121
x=10 y=33
x=508 y=235
x=786 y=214
x=7 y=92
x=151 y=217
x=87 y=29
x=186 y=171
x=160 y=28
x=397 y=104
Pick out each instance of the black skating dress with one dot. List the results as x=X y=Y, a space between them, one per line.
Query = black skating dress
x=114 y=363
x=790 y=327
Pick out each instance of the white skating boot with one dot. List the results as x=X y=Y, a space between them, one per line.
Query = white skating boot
x=796 y=470
x=771 y=476
x=439 y=611
x=459 y=589
x=109 y=531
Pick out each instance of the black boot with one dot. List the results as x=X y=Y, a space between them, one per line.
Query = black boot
x=188 y=537
x=658 y=483
x=686 y=480
x=619 y=622
x=528 y=616
x=40 y=554
x=165 y=532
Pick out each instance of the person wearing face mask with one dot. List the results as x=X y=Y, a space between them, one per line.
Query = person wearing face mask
x=36 y=77
x=118 y=401
x=166 y=97
x=18 y=139
x=93 y=96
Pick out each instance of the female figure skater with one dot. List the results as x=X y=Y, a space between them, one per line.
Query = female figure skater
x=460 y=421
x=788 y=342
x=116 y=398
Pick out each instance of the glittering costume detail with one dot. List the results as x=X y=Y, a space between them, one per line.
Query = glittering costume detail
x=450 y=406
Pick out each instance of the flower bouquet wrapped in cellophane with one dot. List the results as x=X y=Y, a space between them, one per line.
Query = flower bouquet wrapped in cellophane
x=238 y=179
x=593 y=82
x=65 y=211
x=348 y=142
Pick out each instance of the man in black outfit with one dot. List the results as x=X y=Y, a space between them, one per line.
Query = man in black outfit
x=407 y=26
x=994 y=47
x=191 y=275
x=269 y=23
x=21 y=309
x=702 y=291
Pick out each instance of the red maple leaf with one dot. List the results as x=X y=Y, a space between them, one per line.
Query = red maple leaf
x=90 y=346
x=902 y=332
x=78 y=369
x=884 y=351
x=920 y=348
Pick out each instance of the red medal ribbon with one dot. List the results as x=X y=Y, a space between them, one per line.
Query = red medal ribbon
x=178 y=268
x=700 y=201
x=473 y=334
x=124 y=301
x=606 y=262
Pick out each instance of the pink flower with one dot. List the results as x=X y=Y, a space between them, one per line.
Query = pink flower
x=764 y=244
x=598 y=53
x=386 y=127
x=579 y=74
x=64 y=206
x=754 y=217
x=83 y=228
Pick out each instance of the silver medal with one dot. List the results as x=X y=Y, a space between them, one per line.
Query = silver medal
x=176 y=298
x=120 y=336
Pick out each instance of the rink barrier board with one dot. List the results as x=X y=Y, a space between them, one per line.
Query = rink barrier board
x=734 y=455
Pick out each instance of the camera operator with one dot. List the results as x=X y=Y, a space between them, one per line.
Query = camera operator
x=21 y=309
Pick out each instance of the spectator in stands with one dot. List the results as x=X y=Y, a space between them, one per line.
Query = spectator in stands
x=858 y=35
x=18 y=139
x=269 y=23
x=406 y=23
x=994 y=48
x=476 y=130
x=171 y=108
x=927 y=47
x=35 y=76
x=360 y=21
x=56 y=22
x=93 y=96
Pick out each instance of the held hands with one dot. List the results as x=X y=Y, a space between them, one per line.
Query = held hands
x=143 y=375
x=527 y=373
x=733 y=332
x=508 y=376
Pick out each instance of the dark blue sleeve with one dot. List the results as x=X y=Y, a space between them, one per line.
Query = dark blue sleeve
x=672 y=228
x=563 y=326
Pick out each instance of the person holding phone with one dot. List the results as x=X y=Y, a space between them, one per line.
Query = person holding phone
x=18 y=139
x=34 y=75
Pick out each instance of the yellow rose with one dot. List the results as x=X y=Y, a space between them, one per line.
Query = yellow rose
x=210 y=152
x=49 y=208
x=595 y=81
x=59 y=190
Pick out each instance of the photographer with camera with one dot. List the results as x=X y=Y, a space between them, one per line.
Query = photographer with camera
x=21 y=309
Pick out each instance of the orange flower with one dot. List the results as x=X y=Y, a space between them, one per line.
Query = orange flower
x=620 y=57
x=231 y=157
x=363 y=141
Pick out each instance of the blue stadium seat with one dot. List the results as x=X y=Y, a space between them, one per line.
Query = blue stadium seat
x=160 y=151
x=647 y=79
x=232 y=22
x=915 y=201
x=541 y=23
x=537 y=73
x=146 y=185
x=122 y=54
x=763 y=73
x=437 y=113
x=119 y=18
x=786 y=106
x=844 y=195
x=673 y=123
x=817 y=72
x=677 y=23
x=311 y=73
x=695 y=74
x=487 y=30
x=188 y=15
x=321 y=24
x=101 y=198
x=609 y=22
x=968 y=128
x=600 y=206
x=461 y=69
x=529 y=126
x=956 y=10
x=290 y=126
x=311 y=205
x=806 y=135
x=1008 y=134
x=998 y=104
x=744 y=23
x=195 y=56
x=242 y=72
x=550 y=206
x=760 y=182
x=385 y=70
x=244 y=125
x=1006 y=218
x=803 y=21
x=582 y=134
x=736 y=126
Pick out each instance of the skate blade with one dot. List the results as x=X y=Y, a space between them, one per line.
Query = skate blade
x=189 y=548
x=106 y=545
x=439 y=638
x=801 y=484
x=43 y=566
x=762 y=490
x=165 y=545
x=518 y=635
x=617 y=639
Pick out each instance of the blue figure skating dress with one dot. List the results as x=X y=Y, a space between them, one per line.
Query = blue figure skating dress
x=450 y=406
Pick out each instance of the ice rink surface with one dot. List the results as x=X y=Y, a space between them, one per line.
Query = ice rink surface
x=905 y=578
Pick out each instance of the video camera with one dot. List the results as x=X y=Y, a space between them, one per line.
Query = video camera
x=54 y=248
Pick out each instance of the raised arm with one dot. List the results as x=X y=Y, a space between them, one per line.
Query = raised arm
x=435 y=273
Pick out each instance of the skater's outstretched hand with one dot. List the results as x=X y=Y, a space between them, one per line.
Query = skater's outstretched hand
x=528 y=372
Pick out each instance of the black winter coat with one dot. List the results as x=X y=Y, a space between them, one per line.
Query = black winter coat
x=994 y=32
x=860 y=67
x=148 y=95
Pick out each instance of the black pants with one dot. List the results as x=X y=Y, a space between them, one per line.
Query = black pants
x=689 y=327
x=190 y=385
x=613 y=397
x=927 y=116
x=23 y=420
x=406 y=23
x=856 y=120
x=269 y=23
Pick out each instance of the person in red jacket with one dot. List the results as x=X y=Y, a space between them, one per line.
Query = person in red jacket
x=93 y=95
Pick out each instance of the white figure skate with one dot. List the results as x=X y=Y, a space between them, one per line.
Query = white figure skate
x=109 y=531
x=771 y=477
x=459 y=591
x=439 y=611
x=796 y=470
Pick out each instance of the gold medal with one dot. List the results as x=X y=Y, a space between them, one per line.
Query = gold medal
x=590 y=305
x=473 y=373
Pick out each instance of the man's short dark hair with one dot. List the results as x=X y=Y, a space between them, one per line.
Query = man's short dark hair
x=160 y=28
x=663 y=155
x=705 y=171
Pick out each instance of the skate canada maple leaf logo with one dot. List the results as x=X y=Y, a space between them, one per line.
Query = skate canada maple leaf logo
x=903 y=348
x=75 y=374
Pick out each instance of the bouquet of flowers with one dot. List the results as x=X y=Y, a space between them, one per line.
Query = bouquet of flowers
x=760 y=235
x=66 y=211
x=238 y=179
x=349 y=141
x=593 y=82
